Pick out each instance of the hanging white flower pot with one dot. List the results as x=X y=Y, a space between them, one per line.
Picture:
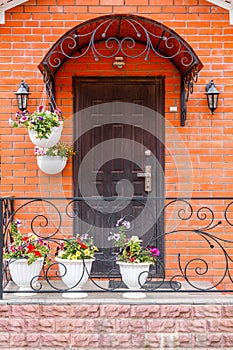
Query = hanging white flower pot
x=24 y=275
x=74 y=274
x=134 y=275
x=51 y=164
x=52 y=139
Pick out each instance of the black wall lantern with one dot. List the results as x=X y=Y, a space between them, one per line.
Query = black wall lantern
x=22 y=96
x=212 y=96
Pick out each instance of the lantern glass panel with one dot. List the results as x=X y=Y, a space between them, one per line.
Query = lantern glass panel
x=22 y=102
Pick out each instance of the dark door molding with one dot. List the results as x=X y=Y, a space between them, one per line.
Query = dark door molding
x=110 y=110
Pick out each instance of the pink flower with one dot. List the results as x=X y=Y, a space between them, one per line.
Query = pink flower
x=41 y=109
x=23 y=118
x=12 y=248
x=39 y=151
x=61 y=246
x=36 y=150
x=57 y=111
x=154 y=251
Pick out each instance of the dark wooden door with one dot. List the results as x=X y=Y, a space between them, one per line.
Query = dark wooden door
x=115 y=121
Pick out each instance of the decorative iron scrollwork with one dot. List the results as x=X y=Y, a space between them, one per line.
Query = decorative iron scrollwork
x=119 y=34
x=201 y=235
x=69 y=46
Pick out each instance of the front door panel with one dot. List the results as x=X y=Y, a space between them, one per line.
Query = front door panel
x=115 y=124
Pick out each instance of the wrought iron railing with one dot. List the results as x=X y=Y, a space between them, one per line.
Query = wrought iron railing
x=7 y=206
x=193 y=235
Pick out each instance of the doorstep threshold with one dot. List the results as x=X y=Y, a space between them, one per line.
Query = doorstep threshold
x=160 y=296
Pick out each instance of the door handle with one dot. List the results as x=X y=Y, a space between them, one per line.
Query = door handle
x=147 y=175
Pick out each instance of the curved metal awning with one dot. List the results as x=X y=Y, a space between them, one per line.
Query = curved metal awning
x=120 y=34
x=125 y=31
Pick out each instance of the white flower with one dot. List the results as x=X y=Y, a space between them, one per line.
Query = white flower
x=116 y=236
x=135 y=239
x=83 y=237
x=126 y=224
x=32 y=236
x=123 y=222
x=18 y=222
x=11 y=122
x=119 y=221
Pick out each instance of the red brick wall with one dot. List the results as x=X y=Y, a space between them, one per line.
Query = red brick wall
x=116 y=326
x=32 y=28
x=30 y=31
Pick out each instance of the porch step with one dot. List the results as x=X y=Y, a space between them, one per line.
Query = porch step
x=150 y=285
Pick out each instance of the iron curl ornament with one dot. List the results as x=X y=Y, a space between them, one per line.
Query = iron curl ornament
x=109 y=36
x=197 y=229
x=116 y=45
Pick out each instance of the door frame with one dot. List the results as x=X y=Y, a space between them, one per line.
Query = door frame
x=160 y=148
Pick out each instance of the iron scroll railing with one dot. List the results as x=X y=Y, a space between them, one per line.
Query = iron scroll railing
x=194 y=236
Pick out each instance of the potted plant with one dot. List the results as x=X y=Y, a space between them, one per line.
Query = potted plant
x=133 y=259
x=25 y=256
x=53 y=160
x=75 y=257
x=44 y=127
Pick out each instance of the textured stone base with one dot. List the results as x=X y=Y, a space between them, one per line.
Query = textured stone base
x=77 y=327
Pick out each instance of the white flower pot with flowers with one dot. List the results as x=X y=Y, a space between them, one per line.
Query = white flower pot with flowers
x=53 y=160
x=51 y=165
x=51 y=140
x=25 y=257
x=44 y=127
x=25 y=276
x=134 y=276
x=133 y=259
x=75 y=257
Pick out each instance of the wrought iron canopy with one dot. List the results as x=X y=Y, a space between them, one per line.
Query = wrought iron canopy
x=120 y=34
x=125 y=31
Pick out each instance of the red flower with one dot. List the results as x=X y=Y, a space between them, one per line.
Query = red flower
x=41 y=109
x=36 y=253
x=31 y=248
x=82 y=245
x=131 y=259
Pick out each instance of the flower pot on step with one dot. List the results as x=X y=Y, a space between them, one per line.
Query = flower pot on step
x=134 y=275
x=75 y=274
x=23 y=275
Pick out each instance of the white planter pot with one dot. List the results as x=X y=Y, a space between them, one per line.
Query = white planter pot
x=51 y=165
x=24 y=275
x=51 y=141
x=75 y=274
x=134 y=275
